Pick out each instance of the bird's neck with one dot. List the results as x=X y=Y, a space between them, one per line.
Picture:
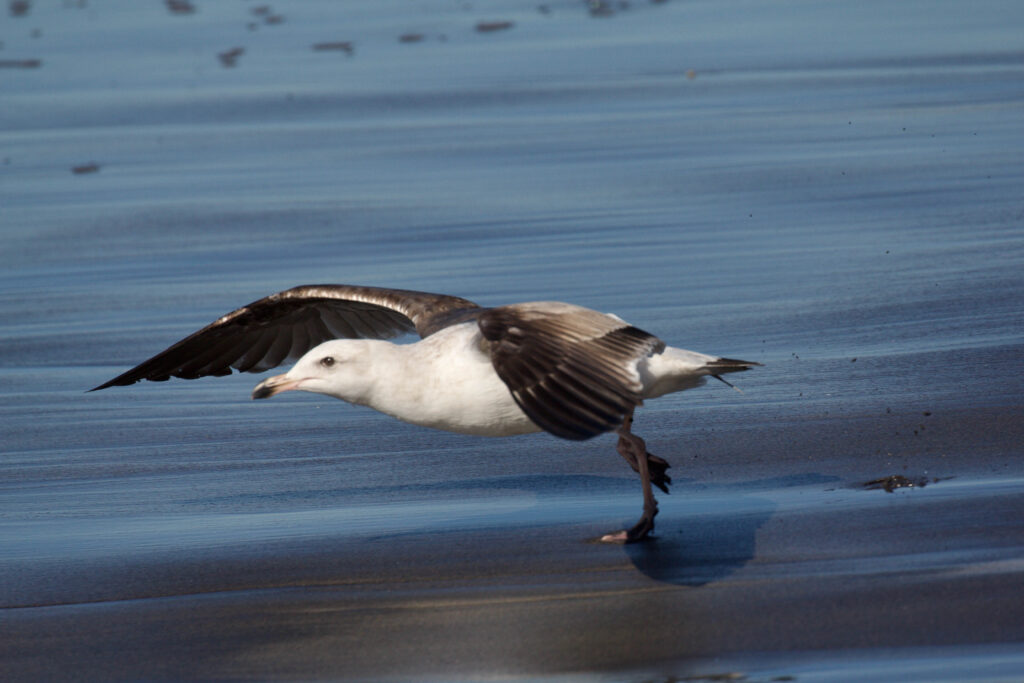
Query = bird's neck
x=393 y=387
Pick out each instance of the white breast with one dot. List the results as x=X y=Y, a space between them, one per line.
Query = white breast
x=446 y=382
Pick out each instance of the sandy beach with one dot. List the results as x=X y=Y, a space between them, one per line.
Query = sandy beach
x=832 y=191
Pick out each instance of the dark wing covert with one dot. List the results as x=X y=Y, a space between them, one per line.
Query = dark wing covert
x=284 y=326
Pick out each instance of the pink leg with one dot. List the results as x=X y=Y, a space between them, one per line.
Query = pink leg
x=651 y=469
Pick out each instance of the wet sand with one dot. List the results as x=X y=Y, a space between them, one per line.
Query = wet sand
x=792 y=556
x=835 y=196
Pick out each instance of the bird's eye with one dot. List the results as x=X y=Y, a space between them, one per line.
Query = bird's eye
x=327 y=361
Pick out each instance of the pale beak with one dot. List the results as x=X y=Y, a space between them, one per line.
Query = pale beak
x=275 y=385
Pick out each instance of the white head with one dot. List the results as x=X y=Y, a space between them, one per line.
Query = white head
x=339 y=368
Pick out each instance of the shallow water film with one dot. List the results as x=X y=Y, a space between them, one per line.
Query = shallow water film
x=835 y=190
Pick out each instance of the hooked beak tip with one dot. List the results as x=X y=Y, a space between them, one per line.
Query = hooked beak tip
x=273 y=385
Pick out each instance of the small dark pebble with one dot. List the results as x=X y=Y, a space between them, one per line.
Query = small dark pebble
x=260 y=10
x=927 y=413
x=490 y=26
x=180 y=7
x=340 y=46
x=230 y=57
x=411 y=38
x=20 y=63
x=91 y=167
x=273 y=19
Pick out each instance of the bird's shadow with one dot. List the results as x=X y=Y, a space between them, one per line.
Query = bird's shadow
x=694 y=550
x=698 y=551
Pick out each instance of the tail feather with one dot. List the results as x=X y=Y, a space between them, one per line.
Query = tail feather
x=723 y=365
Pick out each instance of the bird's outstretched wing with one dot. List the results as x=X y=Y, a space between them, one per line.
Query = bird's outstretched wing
x=283 y=326
x=572 y=370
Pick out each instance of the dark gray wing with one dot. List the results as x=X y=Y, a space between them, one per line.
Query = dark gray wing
x=573 y=371
x=283 y=326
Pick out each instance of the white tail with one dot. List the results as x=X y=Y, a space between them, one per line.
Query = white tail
x=678 y=369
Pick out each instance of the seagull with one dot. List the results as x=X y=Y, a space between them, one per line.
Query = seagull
x=528 y=367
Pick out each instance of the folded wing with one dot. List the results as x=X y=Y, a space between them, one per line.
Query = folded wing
x=572 y=370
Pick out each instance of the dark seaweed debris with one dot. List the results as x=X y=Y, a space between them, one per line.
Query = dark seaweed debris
x=19 y=8
x=230 y=57
x=91 y=167
x=491 y=26
x=339 y=46
x=20 y=63
x=898 y=481
x=180 y=7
